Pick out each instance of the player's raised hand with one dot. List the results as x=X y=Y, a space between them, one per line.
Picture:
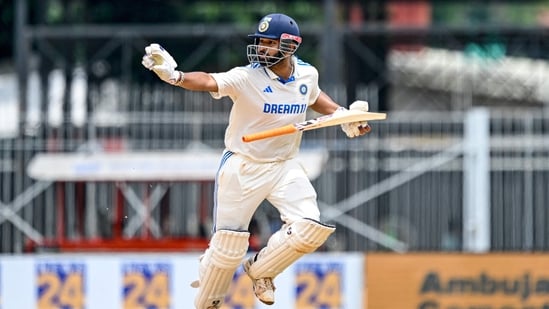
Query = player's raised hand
x=358 y=128
x=158 y=60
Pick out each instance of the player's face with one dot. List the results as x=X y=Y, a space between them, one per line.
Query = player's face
x=267 y=47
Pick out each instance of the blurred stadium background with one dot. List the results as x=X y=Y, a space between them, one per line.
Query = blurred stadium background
x=91 y=142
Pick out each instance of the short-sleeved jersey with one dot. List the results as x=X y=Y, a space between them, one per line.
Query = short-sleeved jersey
x=262 y=100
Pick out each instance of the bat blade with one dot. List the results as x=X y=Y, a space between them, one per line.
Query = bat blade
x=316 y=123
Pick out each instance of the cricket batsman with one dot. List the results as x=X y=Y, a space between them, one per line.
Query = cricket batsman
x=276 y=88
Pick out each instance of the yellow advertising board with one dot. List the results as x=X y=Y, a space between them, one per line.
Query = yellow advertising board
x=457 y=281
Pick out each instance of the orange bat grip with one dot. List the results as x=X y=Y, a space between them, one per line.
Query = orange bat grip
x=288 y=129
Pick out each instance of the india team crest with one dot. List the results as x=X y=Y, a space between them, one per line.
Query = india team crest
x=303 y=89
x=264 y=25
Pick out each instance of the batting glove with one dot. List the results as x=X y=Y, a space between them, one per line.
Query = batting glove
x=158 y=60
x=358 y=128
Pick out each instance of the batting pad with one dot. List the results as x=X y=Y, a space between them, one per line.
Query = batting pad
x=217 y=267
x=288 y=245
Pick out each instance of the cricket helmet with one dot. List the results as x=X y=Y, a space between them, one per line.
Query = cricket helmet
x=279 y=27
x=273 y=26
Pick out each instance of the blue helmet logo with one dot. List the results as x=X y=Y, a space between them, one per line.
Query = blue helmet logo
x=263 y=25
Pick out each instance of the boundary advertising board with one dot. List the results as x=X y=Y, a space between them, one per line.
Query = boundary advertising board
x=162 y=281
x=458 y=281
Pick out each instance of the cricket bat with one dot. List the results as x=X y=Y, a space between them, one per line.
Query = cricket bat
x=316 y=123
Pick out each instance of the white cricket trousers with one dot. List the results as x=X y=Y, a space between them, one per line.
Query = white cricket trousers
x=241 y=185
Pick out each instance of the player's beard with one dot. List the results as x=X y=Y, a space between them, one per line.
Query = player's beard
x=269 y=61
x=263 y=58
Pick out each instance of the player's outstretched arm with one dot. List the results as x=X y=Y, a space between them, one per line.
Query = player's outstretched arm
x=158 y=60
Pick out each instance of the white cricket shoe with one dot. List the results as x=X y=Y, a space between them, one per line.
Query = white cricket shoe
x=263 y=287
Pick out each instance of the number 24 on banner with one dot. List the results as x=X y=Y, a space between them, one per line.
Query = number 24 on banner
x=60 y=286
x=145 y=287
x=318 y=290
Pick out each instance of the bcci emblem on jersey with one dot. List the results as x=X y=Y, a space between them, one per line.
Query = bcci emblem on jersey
x=303 y=89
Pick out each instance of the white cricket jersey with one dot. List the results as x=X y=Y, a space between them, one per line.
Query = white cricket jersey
x=261 y=100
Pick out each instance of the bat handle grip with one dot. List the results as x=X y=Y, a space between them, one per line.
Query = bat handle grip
x=287 y=129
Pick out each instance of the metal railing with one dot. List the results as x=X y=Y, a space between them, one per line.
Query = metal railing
x=402 y=187
x=399 y=188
